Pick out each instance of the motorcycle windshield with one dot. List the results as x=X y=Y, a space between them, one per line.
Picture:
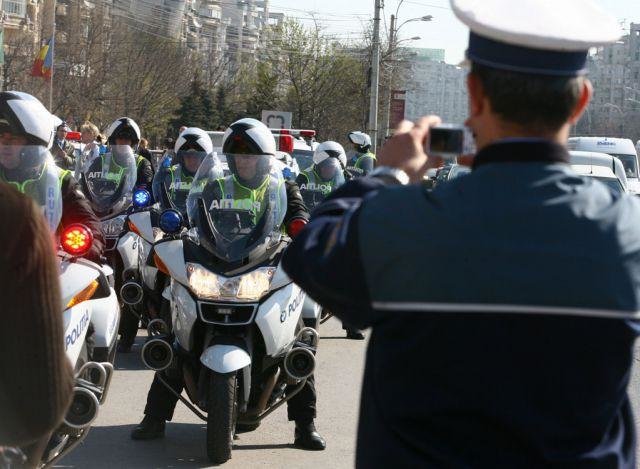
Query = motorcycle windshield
x=109 y=179
x=171 y=187
x=238 y=214
x=41 y=182
x=321 y=179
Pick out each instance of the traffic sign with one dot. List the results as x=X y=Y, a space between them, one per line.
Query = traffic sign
x=277 y=119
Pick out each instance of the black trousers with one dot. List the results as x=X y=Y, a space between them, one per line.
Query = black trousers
x=161 y=402
x=128 y=326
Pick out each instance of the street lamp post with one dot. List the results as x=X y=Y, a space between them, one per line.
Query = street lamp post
x=393 y=46
x=375 y=76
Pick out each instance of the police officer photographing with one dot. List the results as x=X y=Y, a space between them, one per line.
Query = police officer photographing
x=503 y=304
x=250 y=148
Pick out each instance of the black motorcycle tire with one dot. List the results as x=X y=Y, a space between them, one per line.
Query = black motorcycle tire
x=222 y=415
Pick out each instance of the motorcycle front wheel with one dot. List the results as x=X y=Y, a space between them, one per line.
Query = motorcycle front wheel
x=222 y=415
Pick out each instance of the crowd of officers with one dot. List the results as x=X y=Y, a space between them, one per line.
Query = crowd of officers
x=331 y=168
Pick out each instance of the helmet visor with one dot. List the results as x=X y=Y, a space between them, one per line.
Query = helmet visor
x=250 y=170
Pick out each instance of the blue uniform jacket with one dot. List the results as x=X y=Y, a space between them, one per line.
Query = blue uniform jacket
x=503 y=308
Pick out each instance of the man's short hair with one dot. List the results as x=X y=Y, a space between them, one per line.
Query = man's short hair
x=537 y=102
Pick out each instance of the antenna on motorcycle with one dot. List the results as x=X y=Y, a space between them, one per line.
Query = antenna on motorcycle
x=76 y=239
x=171 y=221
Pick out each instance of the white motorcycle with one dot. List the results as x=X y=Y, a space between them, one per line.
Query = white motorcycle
x=108 y=181
x=237 y=336
x=91 y=315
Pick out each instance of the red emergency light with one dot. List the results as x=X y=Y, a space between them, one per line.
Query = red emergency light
x=308 y=133
x=76 y=239
x=285 y=143
x=72 y=135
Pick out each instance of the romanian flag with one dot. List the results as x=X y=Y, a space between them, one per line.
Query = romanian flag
x=44 y=61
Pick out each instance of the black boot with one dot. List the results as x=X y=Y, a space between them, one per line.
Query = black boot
x=149 y=429
x=355 y=334
x=307 y=437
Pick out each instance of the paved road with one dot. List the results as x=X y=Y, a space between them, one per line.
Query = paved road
x=338 y=380
x=339 y=373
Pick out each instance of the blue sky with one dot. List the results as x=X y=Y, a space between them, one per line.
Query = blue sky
x=345 y=19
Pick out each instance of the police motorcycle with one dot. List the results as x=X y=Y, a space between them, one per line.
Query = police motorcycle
x=90 y=313
x=91 y=319
x=171 y=186
x=325 y=175
x=237 y=334
x=108 y=181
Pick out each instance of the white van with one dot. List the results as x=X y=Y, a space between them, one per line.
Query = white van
x=589 y=158
x=622 y=148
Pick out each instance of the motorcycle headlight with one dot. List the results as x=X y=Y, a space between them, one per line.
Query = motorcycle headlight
x=114 y=226
x=248 y=287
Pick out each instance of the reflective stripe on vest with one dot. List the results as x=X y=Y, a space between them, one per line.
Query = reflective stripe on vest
x=253 y=202
x=315 y=183
x=366 y=155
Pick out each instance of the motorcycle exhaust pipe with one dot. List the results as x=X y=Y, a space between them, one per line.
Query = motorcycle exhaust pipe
x=131 y=293
x=157 y=354
x=299 y=363
x=157 y=327
x=309 y=337
x=83 y=410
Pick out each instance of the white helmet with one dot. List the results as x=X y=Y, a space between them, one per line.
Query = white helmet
x=248 y=136
x=125 y=127
x=194 y=138
x=23 y=114
x=361 y=139
x=328 y=150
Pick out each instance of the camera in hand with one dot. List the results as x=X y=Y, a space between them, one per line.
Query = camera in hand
x=450 y=141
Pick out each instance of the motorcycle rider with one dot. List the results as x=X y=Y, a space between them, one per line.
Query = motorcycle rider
x=25 y=139
x=249 y=146
x=360 y=160
x=125 y=131
x=172 y=184
x=327 y=171
x=322 y=178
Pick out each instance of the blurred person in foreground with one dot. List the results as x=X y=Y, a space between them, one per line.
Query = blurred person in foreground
x=36 y=379
x=504 y=304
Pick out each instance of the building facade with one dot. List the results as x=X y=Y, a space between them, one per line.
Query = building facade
x=434 y=86
x=614 y=71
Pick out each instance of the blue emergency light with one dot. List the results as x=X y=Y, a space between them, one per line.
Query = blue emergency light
x=170 y=221
x=141 y=198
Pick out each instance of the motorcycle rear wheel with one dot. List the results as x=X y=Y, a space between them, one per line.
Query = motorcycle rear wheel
x=222 y=415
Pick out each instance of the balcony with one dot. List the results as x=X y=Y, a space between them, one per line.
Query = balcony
x=14 y=7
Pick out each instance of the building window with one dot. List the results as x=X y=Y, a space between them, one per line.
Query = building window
x=14 y=7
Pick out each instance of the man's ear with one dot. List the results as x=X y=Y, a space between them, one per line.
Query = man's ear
x=583 y=102
x=476 y=95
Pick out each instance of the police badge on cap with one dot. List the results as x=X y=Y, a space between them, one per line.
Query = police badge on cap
x=531 y=36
